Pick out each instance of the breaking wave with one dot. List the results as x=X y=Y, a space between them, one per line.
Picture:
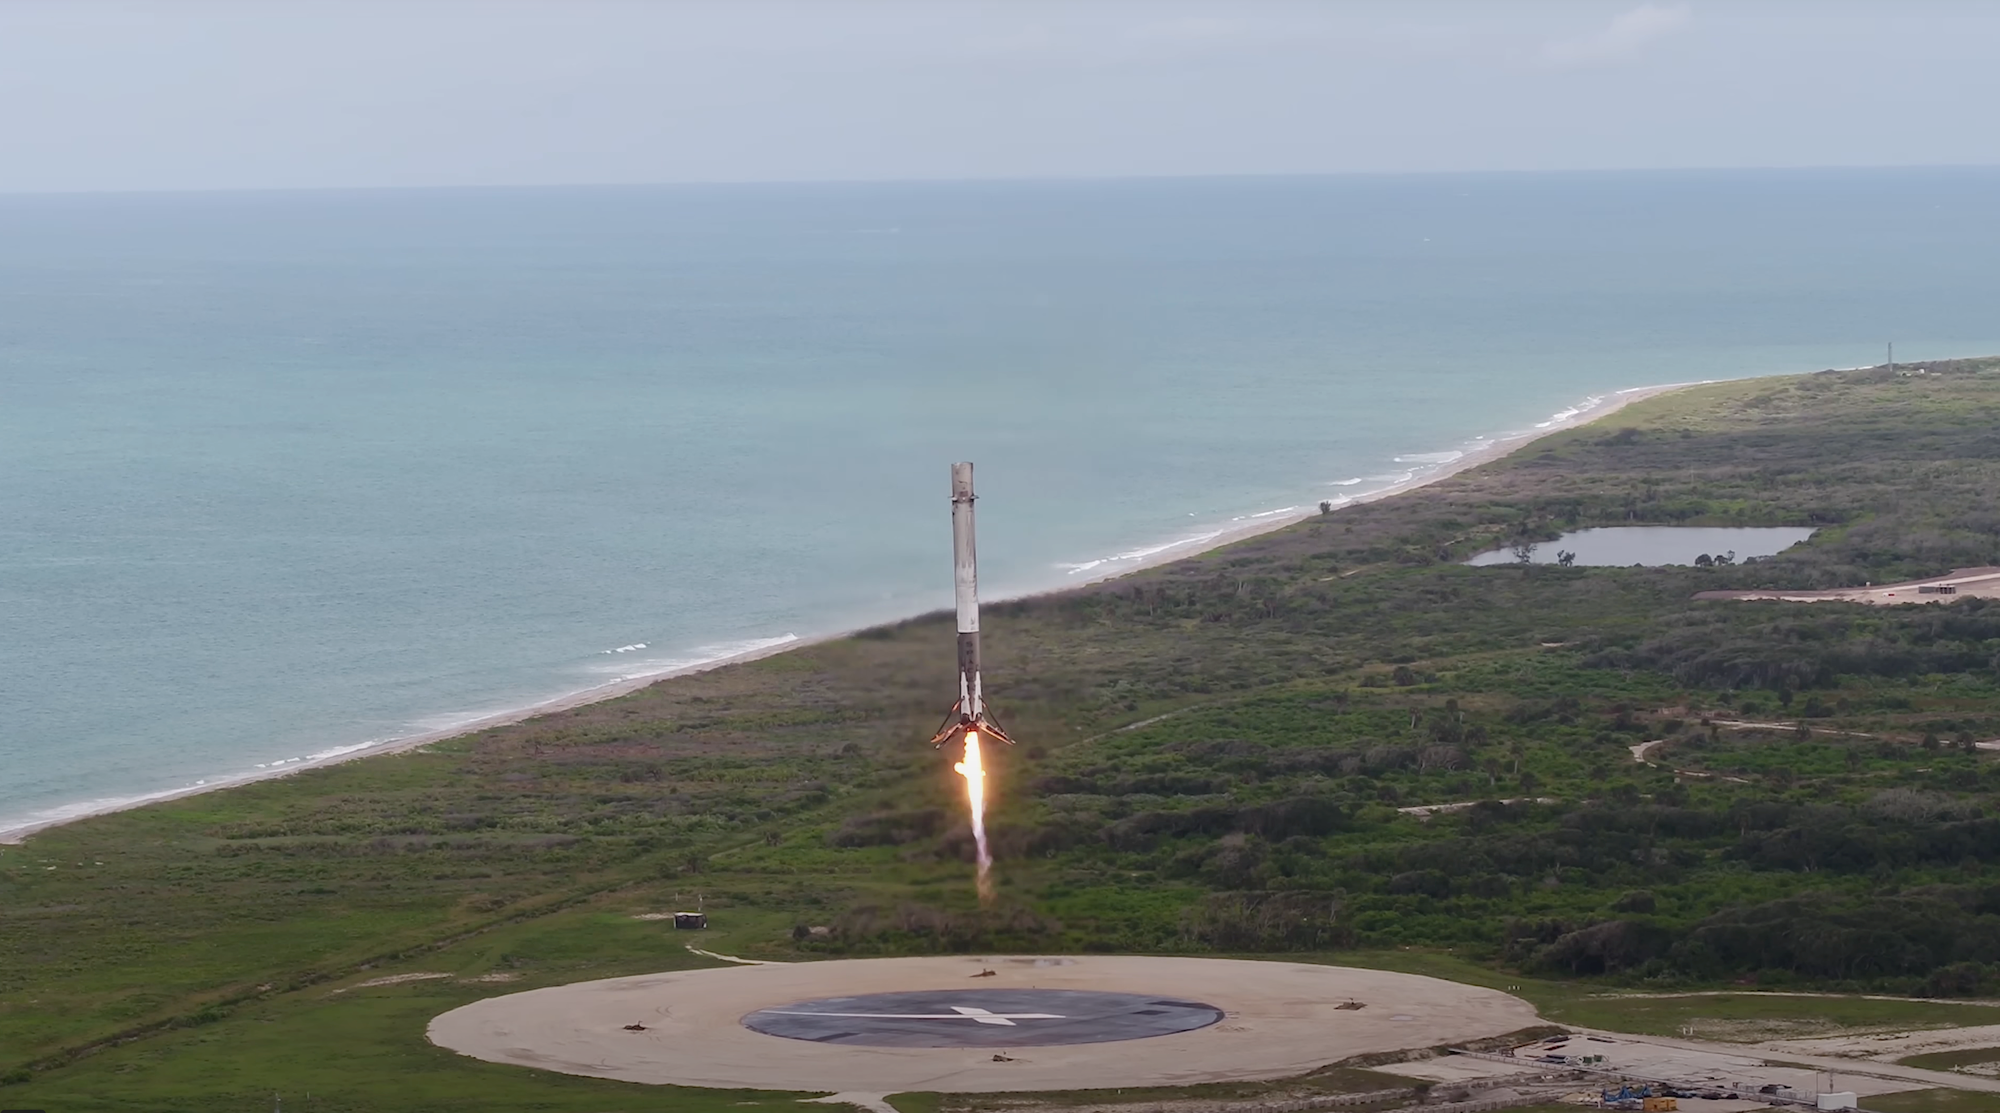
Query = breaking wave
x=700 y=657
x=1573 y=412
x=1135 y=555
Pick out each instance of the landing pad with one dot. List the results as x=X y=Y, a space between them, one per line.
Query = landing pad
x=971 y=1025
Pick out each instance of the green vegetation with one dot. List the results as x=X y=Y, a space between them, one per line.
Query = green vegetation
x=1215 y=757
x=1936 y=1101
x=1718 y=1015
x=358 y=1048
x=1949 y=1060
x=1749 y=1017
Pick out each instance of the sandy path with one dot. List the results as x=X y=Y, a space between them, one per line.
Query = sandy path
x=1887 y=1047
x=1966 y=583
x=1848 y=1073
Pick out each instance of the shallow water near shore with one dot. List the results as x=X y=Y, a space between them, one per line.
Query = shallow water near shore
x=282 y=475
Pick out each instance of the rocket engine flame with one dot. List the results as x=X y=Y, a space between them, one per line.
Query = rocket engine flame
x=975 y=794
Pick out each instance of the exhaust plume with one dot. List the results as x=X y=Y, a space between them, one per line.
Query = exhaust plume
x=975 y=794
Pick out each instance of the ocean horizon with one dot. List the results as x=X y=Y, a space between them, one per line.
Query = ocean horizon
x=289 y=476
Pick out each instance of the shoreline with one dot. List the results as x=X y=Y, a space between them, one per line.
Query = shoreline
x=1485 y=451
x=1497 y=447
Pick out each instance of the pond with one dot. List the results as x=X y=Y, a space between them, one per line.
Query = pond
x=1624 y=546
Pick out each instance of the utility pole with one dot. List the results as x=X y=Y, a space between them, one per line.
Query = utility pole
x=1892 y=357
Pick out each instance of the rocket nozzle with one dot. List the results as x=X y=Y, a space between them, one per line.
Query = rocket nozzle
x=956 y=720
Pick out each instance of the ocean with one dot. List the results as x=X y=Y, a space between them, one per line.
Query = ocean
x=287 y=474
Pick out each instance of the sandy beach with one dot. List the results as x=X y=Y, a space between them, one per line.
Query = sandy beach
x=1496 y=448
x=1594 y=409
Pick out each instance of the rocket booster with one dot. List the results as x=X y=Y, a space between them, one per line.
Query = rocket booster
x=965 y=586
x=970 y=711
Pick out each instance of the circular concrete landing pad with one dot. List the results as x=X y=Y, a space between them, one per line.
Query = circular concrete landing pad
x=700 y=1027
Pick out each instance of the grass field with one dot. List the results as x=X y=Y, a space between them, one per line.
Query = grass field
x=1935 y=1101
x=1946 y=1060
x=1301 y=688
x=1748 y=1018
x=1710 y=1015
x=347 y=1048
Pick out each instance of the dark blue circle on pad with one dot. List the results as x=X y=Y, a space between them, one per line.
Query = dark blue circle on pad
x=982 y=1018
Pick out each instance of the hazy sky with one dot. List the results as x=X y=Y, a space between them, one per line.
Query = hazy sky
x=274 y=93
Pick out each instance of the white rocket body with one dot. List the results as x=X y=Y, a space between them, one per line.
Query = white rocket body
x=969 y=711
x=965 y=584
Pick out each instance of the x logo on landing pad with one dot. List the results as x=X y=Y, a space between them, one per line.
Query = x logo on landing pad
x=958 y=1012
x=986 y=1016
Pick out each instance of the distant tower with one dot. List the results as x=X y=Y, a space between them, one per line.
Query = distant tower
x=1892 y=357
